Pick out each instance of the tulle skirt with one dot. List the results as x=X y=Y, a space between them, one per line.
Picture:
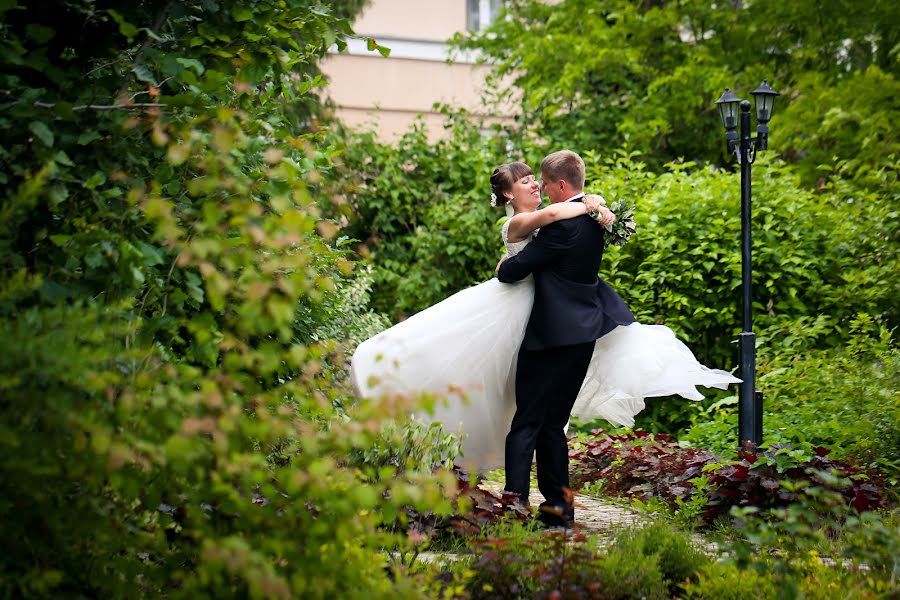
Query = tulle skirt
x=465 y=349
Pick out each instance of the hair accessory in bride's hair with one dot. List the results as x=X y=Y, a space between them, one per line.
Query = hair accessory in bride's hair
x=493 y=199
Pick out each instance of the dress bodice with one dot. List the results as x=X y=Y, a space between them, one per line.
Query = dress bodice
x=513 y=248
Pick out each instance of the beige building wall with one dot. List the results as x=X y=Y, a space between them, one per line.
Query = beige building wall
x=387 y=94
x=433 y=20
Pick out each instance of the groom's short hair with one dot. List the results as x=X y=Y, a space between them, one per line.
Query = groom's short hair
x=564 y=165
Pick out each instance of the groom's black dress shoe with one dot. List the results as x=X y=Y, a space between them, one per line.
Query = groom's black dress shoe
x=556 y=515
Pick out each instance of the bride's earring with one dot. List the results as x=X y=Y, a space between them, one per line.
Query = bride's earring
x=510 y=211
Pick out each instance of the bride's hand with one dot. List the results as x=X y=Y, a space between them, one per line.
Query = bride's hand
x=497 y=270
x=594 y=202
x=605 y=216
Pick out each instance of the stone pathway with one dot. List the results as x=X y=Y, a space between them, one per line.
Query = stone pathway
x=591 y=514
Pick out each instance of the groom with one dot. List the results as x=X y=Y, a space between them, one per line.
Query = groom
x=572 y=309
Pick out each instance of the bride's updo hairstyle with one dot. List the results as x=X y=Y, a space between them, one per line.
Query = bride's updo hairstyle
x=503 y=178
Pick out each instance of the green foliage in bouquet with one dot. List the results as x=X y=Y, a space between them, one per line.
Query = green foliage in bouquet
x=167 y=381
x=619 y=232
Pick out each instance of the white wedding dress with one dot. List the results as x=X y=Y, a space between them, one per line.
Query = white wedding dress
x=465 y=349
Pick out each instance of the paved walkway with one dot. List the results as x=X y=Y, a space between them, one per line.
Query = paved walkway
x=591 y=514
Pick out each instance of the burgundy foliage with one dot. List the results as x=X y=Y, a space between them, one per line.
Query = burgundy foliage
x=642 y=466
x=486 y=507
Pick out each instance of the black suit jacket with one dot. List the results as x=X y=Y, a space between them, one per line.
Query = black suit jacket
x=571 y=304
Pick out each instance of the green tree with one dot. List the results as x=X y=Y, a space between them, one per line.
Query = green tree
x=644 y=75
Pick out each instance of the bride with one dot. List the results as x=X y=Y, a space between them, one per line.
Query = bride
x=465 y=348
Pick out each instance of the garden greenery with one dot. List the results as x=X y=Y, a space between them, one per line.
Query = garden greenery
x=169 y=372
x=631 y=86
x=183 y=239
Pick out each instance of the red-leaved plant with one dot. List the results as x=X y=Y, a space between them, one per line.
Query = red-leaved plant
x=643 y=466
x=484 y=508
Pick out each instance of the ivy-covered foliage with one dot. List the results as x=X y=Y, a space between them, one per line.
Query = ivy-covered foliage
x=167 y=381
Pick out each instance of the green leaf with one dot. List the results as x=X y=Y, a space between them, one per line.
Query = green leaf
x=43 y=132
x=137 y=275
x=7 y=5
x=151 y=34
x=95 y=180
x=144 y=74
x=54 y=292
x=125 y=28
x=57 y=194
x=241 y=13
x=93 y=258
x=39 y=34
x=151 y=255
x=87 y=137
x=63 y=159
x=195 y=287
x=191 y=63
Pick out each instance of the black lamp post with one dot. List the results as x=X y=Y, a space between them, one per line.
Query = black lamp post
x=745 y=147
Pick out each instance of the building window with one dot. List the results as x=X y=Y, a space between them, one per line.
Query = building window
x=480 y=13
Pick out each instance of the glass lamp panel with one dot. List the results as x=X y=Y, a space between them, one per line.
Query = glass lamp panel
x=764 y=96
x=729 y=105
x=764 y=105
x=728 y=111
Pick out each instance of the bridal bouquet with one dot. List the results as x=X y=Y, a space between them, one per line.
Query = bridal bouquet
x=624 y=226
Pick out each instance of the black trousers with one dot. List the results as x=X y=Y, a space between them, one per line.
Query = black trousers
x=547 y=384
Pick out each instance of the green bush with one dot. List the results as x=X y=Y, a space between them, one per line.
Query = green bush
x=728 y=582
x=845 y=399
x=783 y=549
x=844 y=127
x=645 y=75
x=659 y=561
x=678 y=558
x=514 y=561
x=431 y=232
x=682 y=266
x=167 y=391
x=423 y=212
x=632 y=576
